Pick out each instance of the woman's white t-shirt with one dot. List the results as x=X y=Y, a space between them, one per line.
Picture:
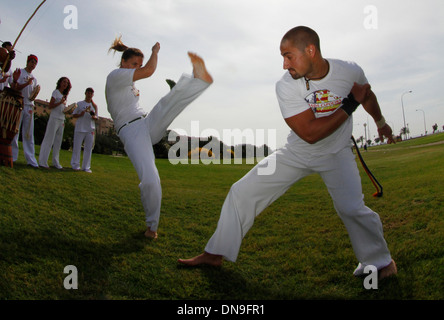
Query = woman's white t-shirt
x=57 y=112
x=122 y=97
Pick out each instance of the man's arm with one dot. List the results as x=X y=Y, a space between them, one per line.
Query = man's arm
x=371 y=105
x=312 y=129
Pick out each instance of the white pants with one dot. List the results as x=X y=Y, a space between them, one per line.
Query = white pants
x=139 y=137
x=253 y=193
x=53 y=139
x=27 y=127
x=79 y=138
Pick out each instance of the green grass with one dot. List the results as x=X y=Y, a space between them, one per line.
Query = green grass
x=297 y=249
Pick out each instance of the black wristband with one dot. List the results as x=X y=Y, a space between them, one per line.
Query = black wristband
x=349 y=104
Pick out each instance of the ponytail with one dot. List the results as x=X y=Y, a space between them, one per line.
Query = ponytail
x=118 y=45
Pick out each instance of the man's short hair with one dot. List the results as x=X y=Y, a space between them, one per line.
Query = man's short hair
x=301 y=37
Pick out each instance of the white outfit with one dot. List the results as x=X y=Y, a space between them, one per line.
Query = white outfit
x=7 y=82
x=139 y=131
x=84 y=132
x=331 y=157
x=54 y=133
x=26 y=122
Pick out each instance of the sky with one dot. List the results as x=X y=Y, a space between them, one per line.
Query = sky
x=399 y=45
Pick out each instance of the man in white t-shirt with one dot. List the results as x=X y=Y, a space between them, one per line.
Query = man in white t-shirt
x=86 y=114
x=25 y=82
x=5 y=80
x=317 y=97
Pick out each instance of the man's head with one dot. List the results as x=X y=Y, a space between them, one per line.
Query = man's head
x=300 y=49
x=7 y=45
x=89 y=93
x=31 y=63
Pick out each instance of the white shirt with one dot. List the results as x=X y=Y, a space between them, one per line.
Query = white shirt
x=84 y=123
x=122 y=97
x=26 y=91
x=7 y=82
x=323 y=97
x=57 y=112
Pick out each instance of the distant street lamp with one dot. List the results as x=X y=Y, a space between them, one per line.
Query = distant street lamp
x=425 y=128
x=403 y=115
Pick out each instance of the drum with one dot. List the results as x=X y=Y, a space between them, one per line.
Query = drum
x=34 y=93
x=11 y=106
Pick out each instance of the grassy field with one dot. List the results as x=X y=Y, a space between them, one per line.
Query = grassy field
x=297 y=249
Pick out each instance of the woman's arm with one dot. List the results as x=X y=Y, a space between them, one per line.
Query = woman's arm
x=150 y=66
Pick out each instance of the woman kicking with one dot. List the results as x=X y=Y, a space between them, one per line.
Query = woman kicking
x=138 y=130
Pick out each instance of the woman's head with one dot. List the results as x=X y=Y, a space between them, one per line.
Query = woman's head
x=64 y=86
x=132 y=58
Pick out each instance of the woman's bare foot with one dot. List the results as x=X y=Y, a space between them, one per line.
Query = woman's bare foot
x=205 y=258
x=199 y=69
x=150 y=234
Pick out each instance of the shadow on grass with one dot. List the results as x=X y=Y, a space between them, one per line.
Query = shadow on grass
x=228 y=283
x=33 y=264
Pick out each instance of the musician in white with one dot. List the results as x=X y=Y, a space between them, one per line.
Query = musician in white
x=5 y=80
x=84 y=132
x=25 y=82
x=56 y=125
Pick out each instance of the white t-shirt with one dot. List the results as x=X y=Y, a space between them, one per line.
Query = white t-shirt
x=122 y=97
x=26 y=91
x=84 y=123
x=57 y=112
x=8 y=80
x=323 y=97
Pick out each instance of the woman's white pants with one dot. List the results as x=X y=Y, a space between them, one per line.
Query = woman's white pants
x=249 y=196
x=53 y=139
x=139 y=137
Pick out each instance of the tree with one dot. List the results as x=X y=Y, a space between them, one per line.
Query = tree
x=404 y=131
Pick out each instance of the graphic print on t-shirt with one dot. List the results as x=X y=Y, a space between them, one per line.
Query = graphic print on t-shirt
x=135 y=91
x=323 y=101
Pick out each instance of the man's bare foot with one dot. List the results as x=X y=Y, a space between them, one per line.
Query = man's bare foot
x=388 y=271
x=150 y=234
x=205 y=258
x=199 y=69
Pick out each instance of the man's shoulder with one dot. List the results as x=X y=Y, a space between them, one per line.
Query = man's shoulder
x=346 y=64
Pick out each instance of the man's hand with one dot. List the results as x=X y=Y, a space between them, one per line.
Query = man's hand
x=361 y=92
x=386 y=131
x=5 y=77
x=16 y=75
